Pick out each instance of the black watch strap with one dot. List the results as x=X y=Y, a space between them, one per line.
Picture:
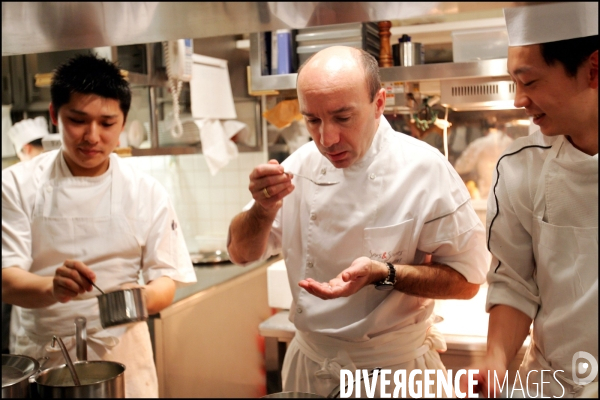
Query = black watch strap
x=389 y=282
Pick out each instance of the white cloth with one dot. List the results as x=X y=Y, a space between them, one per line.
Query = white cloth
x=401 y=201
x=119 y=223
x=313 y=361
x=543 y=236
x=217 y=146
x=545 y=23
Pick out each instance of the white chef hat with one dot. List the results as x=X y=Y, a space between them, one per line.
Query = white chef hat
x=550 y=22
x=27 y=131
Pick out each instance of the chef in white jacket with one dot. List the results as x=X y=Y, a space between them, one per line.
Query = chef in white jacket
x=82 y=212
x=365 y=257
x=27 y=137
x=542 y=218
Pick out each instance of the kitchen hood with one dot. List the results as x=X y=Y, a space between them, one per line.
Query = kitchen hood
x=40 y=27
x=478 y=94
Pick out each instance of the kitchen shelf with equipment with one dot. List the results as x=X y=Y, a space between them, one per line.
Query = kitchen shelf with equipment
x=440 y=71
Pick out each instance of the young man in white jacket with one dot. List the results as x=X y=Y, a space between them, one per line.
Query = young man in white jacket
x=81 y=214
x=542 y=220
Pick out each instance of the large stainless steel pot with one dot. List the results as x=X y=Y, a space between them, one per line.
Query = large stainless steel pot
x=16 y=371
x=122 y=307
x=99 y=379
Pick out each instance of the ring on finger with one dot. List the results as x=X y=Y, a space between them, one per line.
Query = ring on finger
x=266 y=193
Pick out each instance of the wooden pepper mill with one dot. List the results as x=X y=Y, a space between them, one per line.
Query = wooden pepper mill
x=385 y=49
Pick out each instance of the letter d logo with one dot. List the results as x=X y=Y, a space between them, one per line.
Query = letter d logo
x=582 y=367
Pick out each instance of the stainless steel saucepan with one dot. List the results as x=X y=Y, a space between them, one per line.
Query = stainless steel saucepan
x=98 y=379
x=16 y=371
x=122 y=306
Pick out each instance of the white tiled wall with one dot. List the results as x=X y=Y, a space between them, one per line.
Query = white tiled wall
x=204 y=203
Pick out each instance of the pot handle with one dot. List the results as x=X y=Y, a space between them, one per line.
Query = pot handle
x=42 y=361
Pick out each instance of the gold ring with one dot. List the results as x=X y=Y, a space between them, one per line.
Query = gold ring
x=266 y=192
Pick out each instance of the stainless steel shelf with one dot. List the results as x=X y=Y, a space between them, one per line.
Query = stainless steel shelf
x=418 y=73
x=442 y=71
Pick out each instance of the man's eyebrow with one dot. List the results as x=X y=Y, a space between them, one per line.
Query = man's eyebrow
x=520 y=70
x=82 y=113
x=337 y=111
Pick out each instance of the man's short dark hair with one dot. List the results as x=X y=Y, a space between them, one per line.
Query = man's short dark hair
x=370 y=66
x=89 y=74
x=570 y=53
x=37 y=143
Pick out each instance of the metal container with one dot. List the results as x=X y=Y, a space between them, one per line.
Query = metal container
x=411 y=53
x=99 y=379
x=122 y=307
x=16 y=371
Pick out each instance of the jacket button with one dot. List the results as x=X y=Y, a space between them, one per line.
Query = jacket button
x=313 y=216
x=309 y=264
x=372 y=176
x=299 y=310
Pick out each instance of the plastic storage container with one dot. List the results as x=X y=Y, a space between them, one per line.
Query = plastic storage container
x=479 y=44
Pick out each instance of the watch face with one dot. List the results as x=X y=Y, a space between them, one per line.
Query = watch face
x=385 y=286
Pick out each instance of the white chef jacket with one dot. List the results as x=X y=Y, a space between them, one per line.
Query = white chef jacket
x=481 y=156
x=561 y=299
x=145 y=202
x=401 y=201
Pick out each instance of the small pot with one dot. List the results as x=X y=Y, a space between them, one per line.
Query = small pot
x=99 y=379
x=16 y=371
x=122 y=307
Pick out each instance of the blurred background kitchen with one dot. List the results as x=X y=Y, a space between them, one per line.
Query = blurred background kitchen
x=214 y=95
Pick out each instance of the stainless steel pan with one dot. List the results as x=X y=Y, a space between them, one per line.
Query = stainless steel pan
x=122 y=307
x=16 y=371
x=98 y=379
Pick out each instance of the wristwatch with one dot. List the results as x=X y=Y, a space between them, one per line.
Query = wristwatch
x=389 y=282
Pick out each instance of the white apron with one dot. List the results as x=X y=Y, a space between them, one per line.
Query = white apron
x=313 y=361
x=567 y=275
x=57 y=238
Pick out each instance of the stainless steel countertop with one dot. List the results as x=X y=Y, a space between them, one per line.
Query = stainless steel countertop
x=209 y=276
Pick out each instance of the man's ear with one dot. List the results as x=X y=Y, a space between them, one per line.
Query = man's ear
x=379 y=102
x=594 y=70
x=53 y=115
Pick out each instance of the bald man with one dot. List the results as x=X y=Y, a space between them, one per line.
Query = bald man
x=367 y=256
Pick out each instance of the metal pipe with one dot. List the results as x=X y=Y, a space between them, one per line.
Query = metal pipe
x=153 y=118
x=81 y=338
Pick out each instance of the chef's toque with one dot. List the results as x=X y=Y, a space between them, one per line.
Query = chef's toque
x=28 y=130
x=550 y=22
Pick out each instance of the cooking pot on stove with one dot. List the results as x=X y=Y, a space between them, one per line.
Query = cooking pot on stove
x=99 y=379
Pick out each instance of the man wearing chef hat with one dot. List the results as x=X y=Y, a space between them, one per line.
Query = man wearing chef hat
x=366 y=256
x=543 y=208
x=27 y=137
x=80 y=214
